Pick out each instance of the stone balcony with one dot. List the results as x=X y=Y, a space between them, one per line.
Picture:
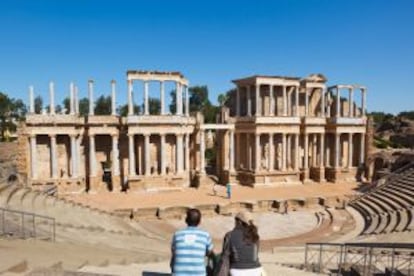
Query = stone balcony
x=54 y=119
x=103 y=120
x=359 y=121
x=160 y=120
x=269 y=120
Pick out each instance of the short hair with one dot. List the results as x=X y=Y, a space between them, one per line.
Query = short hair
x=193 y=217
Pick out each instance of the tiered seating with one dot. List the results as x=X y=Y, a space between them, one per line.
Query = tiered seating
x=389 y=207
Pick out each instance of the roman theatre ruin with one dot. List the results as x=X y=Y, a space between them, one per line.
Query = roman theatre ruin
x=275 y=131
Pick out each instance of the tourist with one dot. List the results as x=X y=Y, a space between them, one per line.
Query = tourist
x=228 y=190
x=189 y=247
x=240 y=249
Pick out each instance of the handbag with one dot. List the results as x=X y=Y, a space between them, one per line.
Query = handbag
x=224 y=263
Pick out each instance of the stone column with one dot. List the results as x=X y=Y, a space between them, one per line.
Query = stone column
x=337 y=149
x=288 y=151
x=248 y=152
x=258 y=101
x=202 y=152
x=272 y=100
x=53 y=156
x=52 y=98
x=237 y=154
x=178 y=105
x=113 y=98
x=296 y=166
x=362 y=149
x=351 y=103
x=363 y=99
x=322 y=102
x=74 y=172
x=147 y=157
x=237 y=101
x=91 y=104
x=33 y=155
x=350 y=150
x=76 y=101
x=162 y=96
x=284 y=100
x=271 y=153
x=328 y=110
x=115 y=155
x=297 y=101
x=257 y=152
x=146 y=100
x=306 y=151
x=130 y=100
x=162 y=142
x=231 y=151
x=249 y=100
x=321 y=149
x=306 y=102
x=314 y=149
x=31 y=100
x=328 y=152
x=72 y=98
x=78 y=155
x=179 y=153
x=187 y=152
x=338 y=103
x=187 y=102
x=92 y=156
x=131 y=154
x=283 y=151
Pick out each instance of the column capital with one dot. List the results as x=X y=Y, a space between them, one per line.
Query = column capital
x=52 y=135
x=31 y=135
x=130 y=134
x=113 y=81
x=146 y=134
x=115 y=135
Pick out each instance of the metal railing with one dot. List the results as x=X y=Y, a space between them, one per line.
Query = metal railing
x=20 y=224
x=360 y=258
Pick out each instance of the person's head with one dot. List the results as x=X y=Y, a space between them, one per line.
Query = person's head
x=244 y=220
x=193 y=217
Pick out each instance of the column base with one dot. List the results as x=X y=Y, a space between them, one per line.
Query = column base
x=318 y=174
x=94 y=184
x=116 y=183
x=305 y=176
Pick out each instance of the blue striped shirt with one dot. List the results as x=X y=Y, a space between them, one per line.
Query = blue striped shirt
x=189 y=247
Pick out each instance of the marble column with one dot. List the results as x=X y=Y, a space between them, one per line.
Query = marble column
x=237 y=101
x=53 y=156
x=146 y=98
x=130 y=100
x=131 y=154
x=337 y=149
x=187 y=153
x=179 y=152
x=33 y=154
x=147 y=153
x=328 y=110
x=258 y=101
x=187 y=101
x=79 y=155
x=74 y=159
x=284 y=100
x=113 y=98
x=296 y=166
x=162 y=97
x=72 y=99
x=306 y=102
x=350 y=150
x=202 y=152
x=162 y=161
x=321 y=149
x=231 y=151
x=351 y=103
x=297 y=101
x=271 y=153
x=314 y=149
x=115 y=155
x=31 y=100
x=257 y=152
x=306 y=151
x=289 y=151
x=52 y=98
x=178 y=105
x=249 y=100
x=363 y=100
x=362 y=149
x=76 y=100
x=338 y=103
x=92 y=156
x=283 y=151
x=90 y=94
x=328 y=151
x=237 y=154
x=322 y=102
x=248 y=152
x=272 y=100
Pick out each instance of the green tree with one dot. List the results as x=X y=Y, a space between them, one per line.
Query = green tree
x=154 y=106
x=11 y=112
x=407 y=114
x=84 y=106
x=103 y=105
x=38 y=104
x=173 y=103
x=123 y=110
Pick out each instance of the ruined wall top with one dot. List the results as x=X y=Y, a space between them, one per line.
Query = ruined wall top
x=156 y=76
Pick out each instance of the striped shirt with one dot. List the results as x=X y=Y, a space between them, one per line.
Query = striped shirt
x=189 y=247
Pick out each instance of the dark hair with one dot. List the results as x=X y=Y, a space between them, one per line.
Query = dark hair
x=250 y=232
x=193 y=217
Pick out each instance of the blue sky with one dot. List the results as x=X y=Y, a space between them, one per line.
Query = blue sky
x=367 y=42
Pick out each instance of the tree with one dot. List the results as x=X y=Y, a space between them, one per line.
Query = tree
x=198 y=98
x=38 y=104
x=407 y=114
x=173 y=103
x=11 y=111
x=154 y=106
x=66 y=105
x=123 y=110
x=84 y=106
x=103 y=105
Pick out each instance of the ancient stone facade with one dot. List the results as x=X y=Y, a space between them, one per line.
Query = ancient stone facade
x=275 y=131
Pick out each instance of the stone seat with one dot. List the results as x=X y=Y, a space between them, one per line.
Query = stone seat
x=176 y=212
x=207 y=210
x=15 y=201
x=401 y=194
x=373 y=215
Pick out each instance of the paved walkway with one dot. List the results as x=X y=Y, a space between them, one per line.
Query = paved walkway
x=189 y=196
